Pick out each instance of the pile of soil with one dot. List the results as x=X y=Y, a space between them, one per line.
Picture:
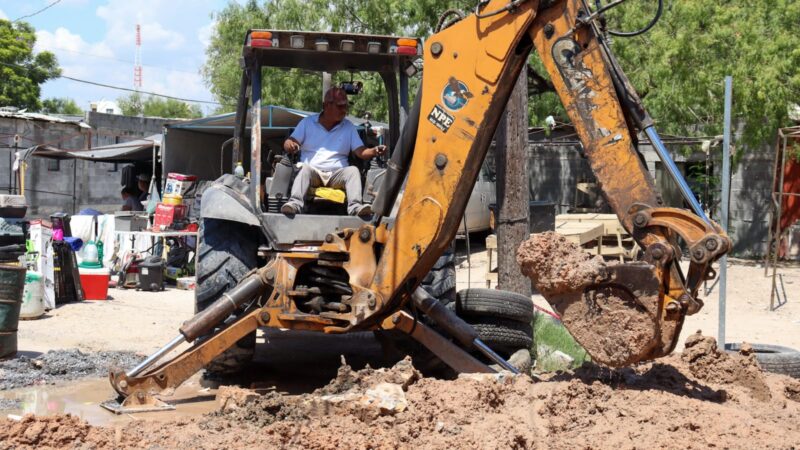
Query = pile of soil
x=700 y=399
x=62 y=365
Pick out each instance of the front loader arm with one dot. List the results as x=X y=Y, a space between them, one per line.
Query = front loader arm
x=470 y=69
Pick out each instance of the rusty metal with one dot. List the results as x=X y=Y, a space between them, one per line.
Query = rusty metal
x=136 y=404
x=165 y=378
x=453 y=355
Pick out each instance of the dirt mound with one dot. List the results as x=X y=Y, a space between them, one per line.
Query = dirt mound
x=707 y=363
x=701 y=399
x=50 y=432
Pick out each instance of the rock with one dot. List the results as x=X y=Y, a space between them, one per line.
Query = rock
x=792 y=390
x=746 y=349
x=387 y=398
x=562 y=358
x=502 y=377
x=403 y=373
x=232 y=397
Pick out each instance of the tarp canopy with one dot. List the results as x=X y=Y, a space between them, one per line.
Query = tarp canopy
x=139 y=150
x=275 y=121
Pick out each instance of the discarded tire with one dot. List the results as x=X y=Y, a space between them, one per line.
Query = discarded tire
x=774 y=358
x=504 y=335
x=494 y=303
x=226 y=253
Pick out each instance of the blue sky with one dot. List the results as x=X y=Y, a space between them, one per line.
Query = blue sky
x=95 y=40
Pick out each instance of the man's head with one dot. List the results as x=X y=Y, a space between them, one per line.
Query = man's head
x=143 y=182
x=335 y=104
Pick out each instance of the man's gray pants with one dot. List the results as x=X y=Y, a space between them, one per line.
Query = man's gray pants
x=347 y=178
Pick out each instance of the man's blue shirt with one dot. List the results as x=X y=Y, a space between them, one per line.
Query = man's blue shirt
x=323 y=149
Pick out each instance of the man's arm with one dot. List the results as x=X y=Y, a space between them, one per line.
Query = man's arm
x=368 y=153
x=290 y=145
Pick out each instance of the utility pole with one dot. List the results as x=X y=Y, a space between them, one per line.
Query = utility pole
x=512 y=188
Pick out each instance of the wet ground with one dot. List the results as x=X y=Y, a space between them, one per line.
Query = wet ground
x=29 y=368
x=286 y=362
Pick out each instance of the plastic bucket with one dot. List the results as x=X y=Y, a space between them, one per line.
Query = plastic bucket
x=12 y=283
x=94 y=283
x=32 y=296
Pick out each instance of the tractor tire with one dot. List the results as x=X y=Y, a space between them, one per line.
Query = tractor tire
x=226 y=253
x=774 y=358
x=440 y=282
x=503 y=335
x=494 y=303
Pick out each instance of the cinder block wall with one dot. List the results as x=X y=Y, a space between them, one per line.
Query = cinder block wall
x=555 y=170
x=50 y=186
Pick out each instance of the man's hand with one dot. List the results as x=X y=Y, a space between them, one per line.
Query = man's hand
x=291 y=146
x=379 y=150
x=369 y=153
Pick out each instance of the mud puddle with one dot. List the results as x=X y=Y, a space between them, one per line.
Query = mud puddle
x=82 y=399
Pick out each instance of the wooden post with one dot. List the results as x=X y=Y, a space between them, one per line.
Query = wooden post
x=513 y=188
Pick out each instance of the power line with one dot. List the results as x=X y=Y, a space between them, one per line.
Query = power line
x=112 y=58
x=37 y=12
x=140 y=92
x=94 y=83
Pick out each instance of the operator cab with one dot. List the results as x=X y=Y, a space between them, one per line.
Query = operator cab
x=345 y=60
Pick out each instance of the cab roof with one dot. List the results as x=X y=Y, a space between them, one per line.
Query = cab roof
x=330 y=52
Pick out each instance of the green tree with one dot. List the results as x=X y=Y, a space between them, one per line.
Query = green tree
x=21 y=71
x=678 y=67
x=300 y=90
x=61 y=105
x=135 y=104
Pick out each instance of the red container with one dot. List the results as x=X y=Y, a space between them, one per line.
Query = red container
x=95 y=283
x=167 y=214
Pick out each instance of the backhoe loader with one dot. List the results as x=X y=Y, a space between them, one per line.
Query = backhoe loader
x=340 y=274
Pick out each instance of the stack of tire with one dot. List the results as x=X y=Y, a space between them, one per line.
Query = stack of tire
x=502 y=320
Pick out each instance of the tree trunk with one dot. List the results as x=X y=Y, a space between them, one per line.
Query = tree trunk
x=512 y=188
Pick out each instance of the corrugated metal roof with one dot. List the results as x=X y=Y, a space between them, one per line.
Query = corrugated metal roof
x=22 y=114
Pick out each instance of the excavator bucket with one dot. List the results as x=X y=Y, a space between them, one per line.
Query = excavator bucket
x=612 y=310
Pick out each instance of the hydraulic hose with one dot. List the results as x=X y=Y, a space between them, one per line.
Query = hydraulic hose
x=651 y=24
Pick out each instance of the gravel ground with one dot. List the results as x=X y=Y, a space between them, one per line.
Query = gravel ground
x=61 y=365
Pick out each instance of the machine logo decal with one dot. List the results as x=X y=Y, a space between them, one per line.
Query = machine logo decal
x=440 y=118
x=455 y=95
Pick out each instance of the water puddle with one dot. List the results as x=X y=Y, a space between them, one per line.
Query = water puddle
x=82 y=399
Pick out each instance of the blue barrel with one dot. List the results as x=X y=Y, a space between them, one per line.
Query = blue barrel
x=12 y=284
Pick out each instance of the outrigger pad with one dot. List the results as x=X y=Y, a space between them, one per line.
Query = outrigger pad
x=136 y=404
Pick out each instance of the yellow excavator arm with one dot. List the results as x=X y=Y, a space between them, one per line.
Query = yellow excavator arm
x=470 y=69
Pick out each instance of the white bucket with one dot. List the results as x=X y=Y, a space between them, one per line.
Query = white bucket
x=32 y=296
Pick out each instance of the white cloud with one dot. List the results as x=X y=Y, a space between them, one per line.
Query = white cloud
x=3 y=15
x=205 y=32
x=121 y=17
x=175 y=34
x=63 y=40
